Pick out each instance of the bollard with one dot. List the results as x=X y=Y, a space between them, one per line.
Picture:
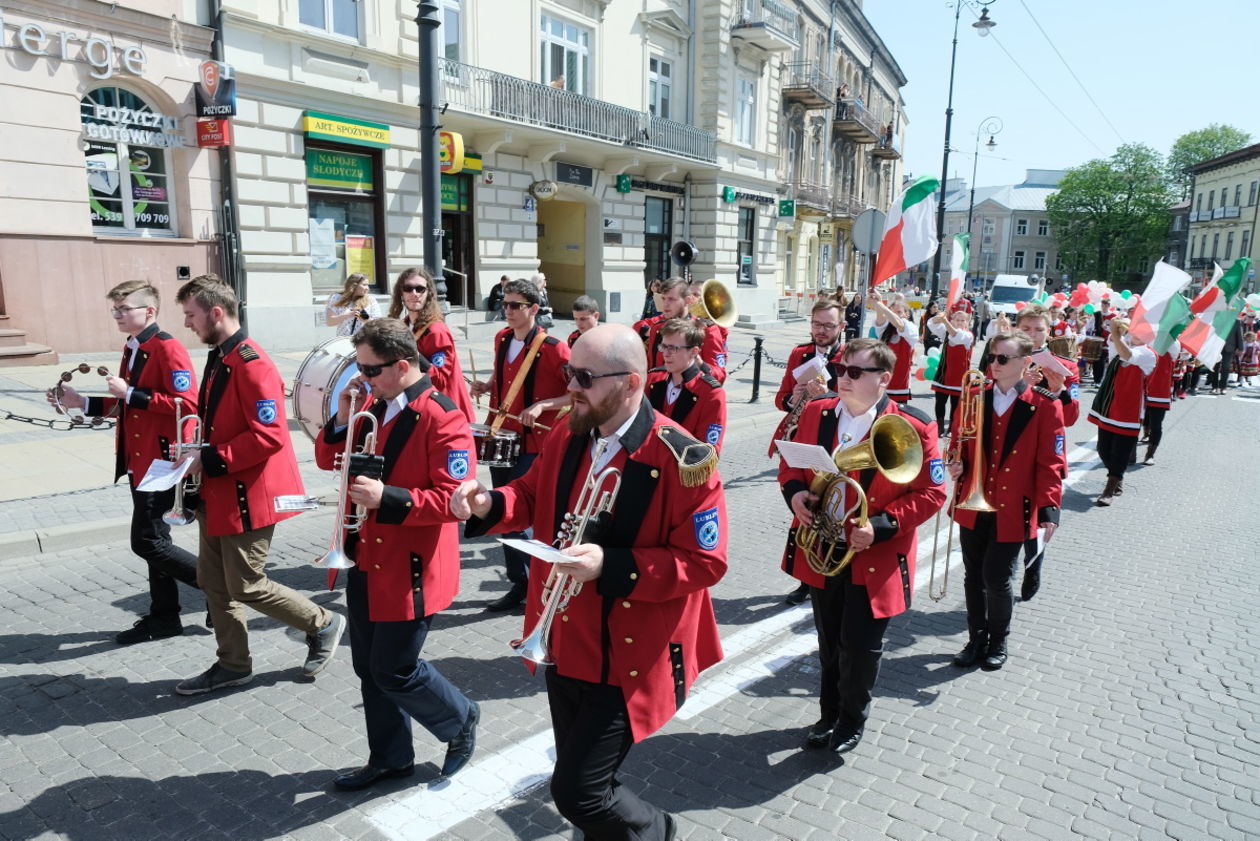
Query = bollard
x=756 y=395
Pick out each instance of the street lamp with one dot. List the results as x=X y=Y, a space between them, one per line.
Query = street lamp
x=991 y=126
x=427 y=22
x=982 y=27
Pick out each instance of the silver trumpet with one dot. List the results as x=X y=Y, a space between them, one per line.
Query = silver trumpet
x=560 y=588
x=345 y=522
x=180 y=514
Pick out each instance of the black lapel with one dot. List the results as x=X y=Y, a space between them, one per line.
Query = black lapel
x=656 y=394
x=216 y=393
x=827 y=426
x=567 y=476
x=633 y=499
x=683 y=405
x=404 y=425
x=211 y=361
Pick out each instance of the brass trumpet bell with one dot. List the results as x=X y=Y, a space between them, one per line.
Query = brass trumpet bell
x=715 y=304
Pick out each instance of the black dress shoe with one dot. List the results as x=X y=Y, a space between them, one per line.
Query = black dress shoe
x=512 y=598
x=367 y=776
x=147 y=628
x=819 y=734
x=799 y=595
x=1031 y=583
x=671 y=829
x=460 y=749
x=972 y=652
x=845 y=738
x=995 y=658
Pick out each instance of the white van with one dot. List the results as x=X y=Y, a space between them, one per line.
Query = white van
x=1009 y=290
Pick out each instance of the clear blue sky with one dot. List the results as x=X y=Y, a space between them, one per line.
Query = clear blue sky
x=1157 y=69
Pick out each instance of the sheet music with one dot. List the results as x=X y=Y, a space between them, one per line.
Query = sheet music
x=806 y=456
x=538 y=549
x=162 y=476
x=815 y=366
x=1046 y=359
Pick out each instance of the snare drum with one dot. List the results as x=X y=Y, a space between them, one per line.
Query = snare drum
x=320 y=380
x=1092 y=348
x=496 y=449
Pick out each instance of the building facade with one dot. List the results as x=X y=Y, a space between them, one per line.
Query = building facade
x=1225 y=207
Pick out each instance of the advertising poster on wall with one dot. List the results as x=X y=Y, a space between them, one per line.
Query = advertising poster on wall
x=360 y=256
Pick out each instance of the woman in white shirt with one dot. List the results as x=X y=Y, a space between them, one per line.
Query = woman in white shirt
x=353 y=305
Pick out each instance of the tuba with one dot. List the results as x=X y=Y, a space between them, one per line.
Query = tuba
x=335 y=557
x=968 y=423
x=715 y=303
x=894 y=449
x=559 y=589
x=180 y=513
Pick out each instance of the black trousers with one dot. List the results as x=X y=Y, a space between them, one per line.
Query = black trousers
x=1100 y=366
x=941 y=398
x=168 y=563
x=397 y=686
x=592 y=728
x=1154 y=426
x=988 y=576
x=850 y=645
x=515 y=561
x=1115 y=450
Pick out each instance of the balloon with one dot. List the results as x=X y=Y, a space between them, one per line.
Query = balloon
x=1126 y=294
x=934 y=353
x=931 y=367
x=1080 y=287
x=1253 y=300
x=1019 y=305
x=921 y=374
x=1089 y=309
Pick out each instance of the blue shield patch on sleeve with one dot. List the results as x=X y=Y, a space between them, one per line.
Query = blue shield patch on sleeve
x=457 y=463
x=1075 y=391
x=936 y=469
x=708 y=528
x=266 y=410
x=181 y=380
x=720 y=359
x=1058 y=445
x=714 y=435
x=438 y=359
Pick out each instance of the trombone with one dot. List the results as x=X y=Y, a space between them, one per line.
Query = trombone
x=182 y=514
x=335 y=557
x=968 y=423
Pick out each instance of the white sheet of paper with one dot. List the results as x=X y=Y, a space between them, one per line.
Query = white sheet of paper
x=294 y=502
x=1046 y=359
x=162 y=476
x=538 y=549
x=806 y=456
x=815 y=366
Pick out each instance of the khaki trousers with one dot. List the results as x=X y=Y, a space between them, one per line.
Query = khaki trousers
x=230 y=570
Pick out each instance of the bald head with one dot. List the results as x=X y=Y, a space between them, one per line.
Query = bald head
x=611 y=347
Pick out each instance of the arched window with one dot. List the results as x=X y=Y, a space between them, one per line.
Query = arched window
x=126 y=144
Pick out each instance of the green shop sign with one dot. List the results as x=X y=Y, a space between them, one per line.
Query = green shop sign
x=339 y=170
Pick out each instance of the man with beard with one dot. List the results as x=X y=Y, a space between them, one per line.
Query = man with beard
x=632 y=640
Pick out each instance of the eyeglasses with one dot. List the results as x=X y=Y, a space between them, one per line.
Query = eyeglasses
x=413 y=287
x=516 y=305
x=674 y=348
x=1002 y=358
x=584 y=378
x=854 y=372
x=371 y=371
x=117 y=312
x=818 y=325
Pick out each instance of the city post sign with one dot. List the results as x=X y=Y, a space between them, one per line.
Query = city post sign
x=104 y=57
x=321 y=126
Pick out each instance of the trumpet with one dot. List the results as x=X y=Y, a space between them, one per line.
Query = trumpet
x=180 y=513
x=560 y=588
x=335 y=557
x=968 y=424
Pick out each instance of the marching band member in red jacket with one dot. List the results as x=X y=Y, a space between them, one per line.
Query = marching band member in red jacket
x=534 y=396
x=1159 y=399
x=585 y=316
x=406 y=552
x=155 y=370
x=416 y=303
x=674 y=298
x=630 y=643
x=957 y=342
x=246 y=462
x=1117 y=407
x=693 y=400
x=852 y=609
x=1023 y=463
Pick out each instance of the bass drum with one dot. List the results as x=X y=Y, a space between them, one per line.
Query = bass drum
x=320 y=380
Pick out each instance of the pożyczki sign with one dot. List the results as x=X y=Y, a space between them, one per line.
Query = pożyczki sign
x=117 y=124
x=104 y=57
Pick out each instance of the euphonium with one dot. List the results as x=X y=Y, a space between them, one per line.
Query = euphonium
x=560 y=588
x=180 y=514
x=335 y=557
x=715 y=303
x=894 y=449
x=968 y=423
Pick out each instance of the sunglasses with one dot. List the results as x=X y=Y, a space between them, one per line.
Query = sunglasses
x=584 y=378
x=854 y=372
x=415 y=287
x=370 y=371
x=1002 y=358
x=516 y=305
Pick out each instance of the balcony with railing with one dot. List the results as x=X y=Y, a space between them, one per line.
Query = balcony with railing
x=856 y=123
x=770 y=25
x=888 y=146
x=846 y=205
x=812 y=196
x=806 y=83
x=476 y=90
x=1201 y=262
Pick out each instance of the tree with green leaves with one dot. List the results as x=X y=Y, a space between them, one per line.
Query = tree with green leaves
x=1199 y=146
x=1110 y=216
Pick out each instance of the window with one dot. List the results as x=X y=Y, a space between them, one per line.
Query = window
x=1176 y=223
x=1216 y=241
x=793 y=138
x=1058 y=262
x=1229 y=244
x=128 y=180
x=1021 y=227
x=1191 y=249
x=1251 y=193
x=1203 y=247
x=1039 y=260
x=660 y=87
x=1198 y=202
x=344 y=215
x=1017 y=262
x=451 y=20
x=1211 y=201
x=1043 y=227
x=566 y=55
x=745 y=110
x=1244 y=247
x=747 y=272
x=335 y=17
x=657 y=235
x=1238 y=196
x=1224 y=196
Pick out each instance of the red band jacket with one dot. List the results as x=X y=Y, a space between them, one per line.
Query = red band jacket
x=437 y=345
x=700 y=408
x=712 y=352
x=161 y=371
x=798 y=357
x=1120 y=399
x=248 y=459
x=886 y=569
x=647 y=623
x=545 y=379
x=1159 y=385
x=1024 y=464
x=409 y=547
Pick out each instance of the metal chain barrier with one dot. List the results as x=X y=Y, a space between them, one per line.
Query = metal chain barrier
x=58 y=424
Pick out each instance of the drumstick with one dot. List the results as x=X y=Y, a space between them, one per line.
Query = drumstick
x=517 y=418
x=473 y=365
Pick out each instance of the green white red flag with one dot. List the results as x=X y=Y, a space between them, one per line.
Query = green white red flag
x=959 y=260
x=1215 y=311
x=1162 y=311
x=909 y=233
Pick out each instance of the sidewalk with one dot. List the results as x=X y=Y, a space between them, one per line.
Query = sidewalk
x=55 y=491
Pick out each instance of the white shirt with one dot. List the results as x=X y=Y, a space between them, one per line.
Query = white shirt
x=514 y=349
x=1143 y=357
x=672 y=391
x=852 y=429
x=393 y=407
x=613 y=444
x=1002 y=400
